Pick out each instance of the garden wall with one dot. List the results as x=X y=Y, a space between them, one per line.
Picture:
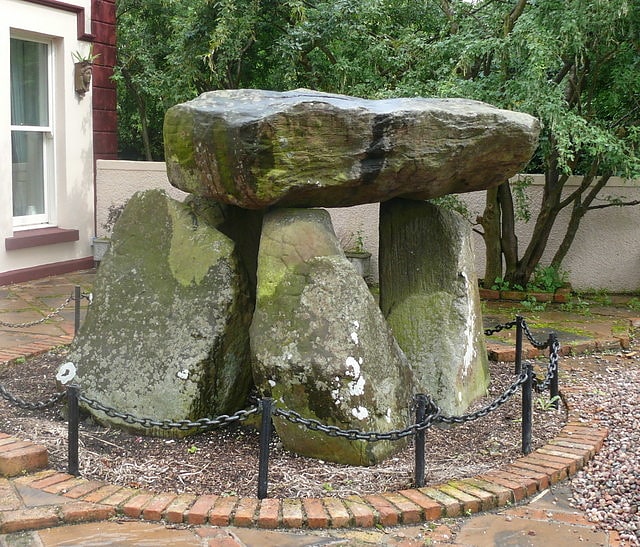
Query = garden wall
x=605 y=254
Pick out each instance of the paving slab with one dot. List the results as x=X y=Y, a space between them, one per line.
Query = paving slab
x=98 y=534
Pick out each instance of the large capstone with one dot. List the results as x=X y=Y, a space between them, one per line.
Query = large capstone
x=305 y=148
x=429 y=295
x=167 y=335
x=320 y=345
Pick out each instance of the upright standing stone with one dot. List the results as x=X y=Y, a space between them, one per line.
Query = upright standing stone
x=320 y=344
x=167 y=335
x=429 y=295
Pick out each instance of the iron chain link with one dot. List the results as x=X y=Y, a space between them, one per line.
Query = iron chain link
x=202 y=423
x=530 y=337
x=26 y=405
x=434 y=413
x=356 y=434
x=552 y=369
x=53 y=313
x=38 y=321
x=481 y=413
x=498 y=328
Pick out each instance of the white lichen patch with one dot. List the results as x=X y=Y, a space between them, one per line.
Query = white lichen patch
x=335 y=393
x=353 y=367
x=361 y=413
x=356 y=386
x=66 y=373
x=354 y=333
x=387 y=416
x=468 y=337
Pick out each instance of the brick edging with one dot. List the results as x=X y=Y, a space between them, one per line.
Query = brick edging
x=562 y=457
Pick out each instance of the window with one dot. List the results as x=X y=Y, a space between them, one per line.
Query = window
x=31 y=132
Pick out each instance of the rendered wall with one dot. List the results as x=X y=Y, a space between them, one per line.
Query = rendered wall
x=73 y=154
x=605 y=254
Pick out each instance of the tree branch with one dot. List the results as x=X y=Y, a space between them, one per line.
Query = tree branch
x=618 y=204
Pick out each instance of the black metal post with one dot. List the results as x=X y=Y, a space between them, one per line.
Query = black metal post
x=421 y=411
x=553 y=358
x=527 y=409
x=519 y=329
x=73 y=392
x=77 y=296
x=265 y=437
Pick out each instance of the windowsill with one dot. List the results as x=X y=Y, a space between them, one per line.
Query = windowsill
x=25 y=239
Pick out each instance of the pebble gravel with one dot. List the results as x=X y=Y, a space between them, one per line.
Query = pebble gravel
x=608 y=488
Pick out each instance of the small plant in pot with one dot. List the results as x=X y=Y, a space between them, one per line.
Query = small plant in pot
x=356 y=253
x=83 y=70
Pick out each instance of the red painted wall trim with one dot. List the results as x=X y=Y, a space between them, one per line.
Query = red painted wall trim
x=78 y=10
x=26 y=239
x=45 y=270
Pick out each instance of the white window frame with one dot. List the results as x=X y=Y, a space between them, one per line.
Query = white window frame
x=46 y=219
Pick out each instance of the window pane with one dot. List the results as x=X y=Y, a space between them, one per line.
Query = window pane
x=27 y=156
x=29 y=83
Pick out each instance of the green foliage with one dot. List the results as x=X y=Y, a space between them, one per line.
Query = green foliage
x=500 y=284
x=545 y=404
x=519 y=189
x=531 y=304
x=453 y=203
x=82 y=58
x=602 y=297
x=547 y=279
x=577 y=305
x=634 y=304
x=574 y=65
x=353 y=242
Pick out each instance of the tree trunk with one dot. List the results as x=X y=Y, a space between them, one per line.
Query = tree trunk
x=580 y=208
x=508 y=239
x=142 y=112
x=554 y=182
x=490 y=222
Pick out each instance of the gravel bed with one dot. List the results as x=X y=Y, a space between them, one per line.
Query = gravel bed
x=225 y=461
x=608 y=489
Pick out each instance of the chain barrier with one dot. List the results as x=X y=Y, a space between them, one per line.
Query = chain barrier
x=356 y=434
x=26 y=405
x=552 y=368
x=38 y=321
x=482 y=412
x=530 y=337
x=53 y=313
x=498 y=328
x=202 y=423
x=432 y=413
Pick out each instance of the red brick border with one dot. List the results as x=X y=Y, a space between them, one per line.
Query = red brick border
x=576 y=444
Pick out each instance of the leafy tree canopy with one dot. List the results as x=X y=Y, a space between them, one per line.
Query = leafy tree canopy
x=575 y=64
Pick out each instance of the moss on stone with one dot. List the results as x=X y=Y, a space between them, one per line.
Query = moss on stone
x=194 y=247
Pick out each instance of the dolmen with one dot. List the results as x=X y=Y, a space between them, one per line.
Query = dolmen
x=245 y=284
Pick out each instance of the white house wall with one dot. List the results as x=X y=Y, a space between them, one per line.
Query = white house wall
x=605 y=253
x=73 y=125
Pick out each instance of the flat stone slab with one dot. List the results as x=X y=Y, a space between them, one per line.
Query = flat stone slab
x=303 y=148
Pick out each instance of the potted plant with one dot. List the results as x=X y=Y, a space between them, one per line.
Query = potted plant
x=83 y=70
x=101 y=244
x=356 y=253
